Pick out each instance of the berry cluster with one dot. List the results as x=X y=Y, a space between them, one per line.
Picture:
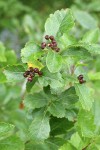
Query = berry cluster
x=52 y=43
x=81 y=80
x=30 y=73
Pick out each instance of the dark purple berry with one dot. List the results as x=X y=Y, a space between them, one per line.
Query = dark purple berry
x=36 y=70
x=50 y=45
x=80 y=77
x=32 y=74
x=54 y=44
x=57 y=49
x=31 y=68
x=43 y=45
x=47 y=37
x=30 y=79
x=25 y=75
x=27 y=72
x=81 y=81
x=51 y=37
x=40 y=73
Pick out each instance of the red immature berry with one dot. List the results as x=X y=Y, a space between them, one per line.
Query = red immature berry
x=30 y=79
x=40 y=73
x=31 y=68
x=47 y=37
x=25 y=75
x=80 y=77
x=51 y=37
x=36 y=70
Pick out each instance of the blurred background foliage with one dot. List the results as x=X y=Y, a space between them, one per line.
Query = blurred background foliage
x=21 y=21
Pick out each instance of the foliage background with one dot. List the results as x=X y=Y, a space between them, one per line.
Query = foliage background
x=21 y=21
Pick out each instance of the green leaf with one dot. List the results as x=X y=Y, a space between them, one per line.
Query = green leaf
x=92 y=48
x=11 y=143
x=85 y=97
x=65 y=40
x=71 y=115
x=2 y=77
x=55 y=80
x=53 y=62
x=14 y=73
x=76 y=52
x=85 y=19
x=67 y=146
x=29 y=85
x=68 y=97
x=86 y=123
x=95 y=145
x=40 y=128
x=30 y=49
x=94 y=75
x=2 y=53
x=59 y=22
x=11 y=57
x=76 y=141
x=36 y=100
x=5 y=130
x=94 y=6
x=47 y=145
x=57 y=109
x=91 y=36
